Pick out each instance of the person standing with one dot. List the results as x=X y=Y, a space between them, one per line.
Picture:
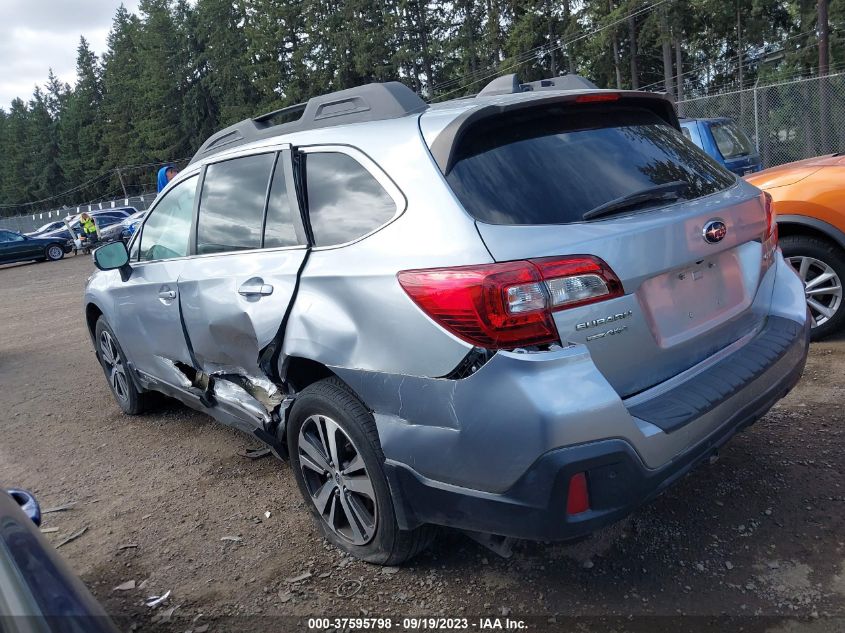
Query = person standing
x=89 y=228
x=165 y=175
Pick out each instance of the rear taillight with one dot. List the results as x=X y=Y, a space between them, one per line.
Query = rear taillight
x=509 y=304
x=770 y=237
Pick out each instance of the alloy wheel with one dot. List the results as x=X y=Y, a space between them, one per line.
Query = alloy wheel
x=54 y=252
x=115 y=369
x=337 y=480
x=822 y=287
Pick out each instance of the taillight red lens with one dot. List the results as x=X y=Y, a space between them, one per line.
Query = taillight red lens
x=598 y=97
x=509 y=304
x=473 y=303
x=771 y=224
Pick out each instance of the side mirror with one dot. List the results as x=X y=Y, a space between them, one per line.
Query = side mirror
x=113 y=256
x=27 y=503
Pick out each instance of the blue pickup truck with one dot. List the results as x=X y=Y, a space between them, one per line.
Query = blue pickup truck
x=725 y=141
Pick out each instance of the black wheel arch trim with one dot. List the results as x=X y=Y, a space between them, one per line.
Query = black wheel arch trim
x=819 y=225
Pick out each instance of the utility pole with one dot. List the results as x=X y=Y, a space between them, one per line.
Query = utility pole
x=667 y=51
x=632 y=38
x=679 y=72
x=824 y=38
x=552 y=65
x=824 y=68
x=122 y=184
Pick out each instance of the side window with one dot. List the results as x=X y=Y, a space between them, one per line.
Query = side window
x=167 y=232
x=8 y=236
x=345 y=201
x=232 y=204
x=279 y=230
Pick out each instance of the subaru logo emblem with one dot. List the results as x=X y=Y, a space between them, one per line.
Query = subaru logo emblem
x=714 y=231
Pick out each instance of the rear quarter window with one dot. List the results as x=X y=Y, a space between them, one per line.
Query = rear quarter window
x=345 y=201
x=551 y=166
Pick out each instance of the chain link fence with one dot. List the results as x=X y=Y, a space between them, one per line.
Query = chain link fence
x=786 y=121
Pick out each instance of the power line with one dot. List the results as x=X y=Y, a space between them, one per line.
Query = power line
x=89 y=183
x=499 y=71
x=749 y=61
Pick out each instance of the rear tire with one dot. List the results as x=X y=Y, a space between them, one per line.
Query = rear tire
x=816 y=259
x=54 y=252
x=341 y=469
x=113 y=361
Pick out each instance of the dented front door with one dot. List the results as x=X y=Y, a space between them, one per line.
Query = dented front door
x=234 y=302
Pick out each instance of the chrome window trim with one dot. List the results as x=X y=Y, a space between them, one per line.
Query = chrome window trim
x=371 y=167
x=297 y=247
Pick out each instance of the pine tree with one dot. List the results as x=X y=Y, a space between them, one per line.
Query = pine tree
x=17 y=176
x=161 y=73
x=80 y=128
x=43 y=147
x=122 y=91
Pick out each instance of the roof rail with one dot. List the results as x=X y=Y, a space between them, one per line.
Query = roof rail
x=510 y=84
x=371 y=102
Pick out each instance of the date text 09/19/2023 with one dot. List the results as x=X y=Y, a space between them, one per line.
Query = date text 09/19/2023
x=418 y=623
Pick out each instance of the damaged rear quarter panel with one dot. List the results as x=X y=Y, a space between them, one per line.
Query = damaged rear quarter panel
x=484 y=431
x=351 y=311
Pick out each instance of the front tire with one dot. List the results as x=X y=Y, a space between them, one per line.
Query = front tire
x=821 y=266
x=337 y=461
x=113 y=361
x=54 y=252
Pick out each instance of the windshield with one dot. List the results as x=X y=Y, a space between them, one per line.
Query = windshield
x=731 y=141
x=553 y=166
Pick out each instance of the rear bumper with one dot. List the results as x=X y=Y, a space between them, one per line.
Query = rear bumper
x=494 y=452
x=618 y=480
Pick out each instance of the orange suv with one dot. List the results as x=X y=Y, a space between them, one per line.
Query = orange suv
x=809 y=200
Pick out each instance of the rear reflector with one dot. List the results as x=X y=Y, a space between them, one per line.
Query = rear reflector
x=509 y=304
x=578 y=498
x=598 y=97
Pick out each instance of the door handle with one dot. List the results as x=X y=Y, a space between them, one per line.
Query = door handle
x=255 y=289
x=167 y=294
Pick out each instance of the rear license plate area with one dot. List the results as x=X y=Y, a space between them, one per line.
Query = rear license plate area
x=685 y=302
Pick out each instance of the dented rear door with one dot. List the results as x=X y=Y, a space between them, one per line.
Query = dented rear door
x=238 y=288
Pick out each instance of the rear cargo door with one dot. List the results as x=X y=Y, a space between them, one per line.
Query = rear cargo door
x=681 y=233
x=250 y=248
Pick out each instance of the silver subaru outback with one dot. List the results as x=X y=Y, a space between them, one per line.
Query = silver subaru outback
x=522 y=314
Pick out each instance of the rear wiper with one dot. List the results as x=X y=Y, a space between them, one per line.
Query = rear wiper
x=667 y=191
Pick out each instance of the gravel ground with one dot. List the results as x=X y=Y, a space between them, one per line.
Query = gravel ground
x=753 y=542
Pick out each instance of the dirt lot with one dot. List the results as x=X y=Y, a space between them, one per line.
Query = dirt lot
x=754 y=542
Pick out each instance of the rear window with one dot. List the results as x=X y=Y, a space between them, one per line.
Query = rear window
x=553 y=166
x=731 y=141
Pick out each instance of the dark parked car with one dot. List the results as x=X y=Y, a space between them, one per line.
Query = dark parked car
x=38 y=592
x=15 y=247
x=120 y=229
x=46 y=228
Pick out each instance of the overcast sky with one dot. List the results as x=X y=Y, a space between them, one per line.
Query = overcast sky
x=36 y=35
